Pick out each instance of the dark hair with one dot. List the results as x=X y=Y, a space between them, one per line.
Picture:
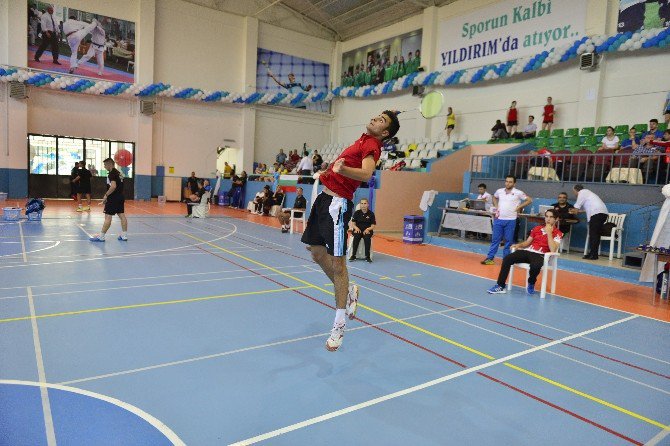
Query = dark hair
x=482 y=185
x=563 y=193
x=531 y=116
x=394 y=125
x=610 y=127
x=578 y=187
x=554 y=212
x=108 y=159
x=654 y=120
x=511 y=176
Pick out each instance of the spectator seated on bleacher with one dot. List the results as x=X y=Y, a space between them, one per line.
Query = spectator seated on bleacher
x=666 y=117
x=610 y=141
x=633 y=140
x=653 y=129
x=499 y=131
x=530 y=129
x=281 y=157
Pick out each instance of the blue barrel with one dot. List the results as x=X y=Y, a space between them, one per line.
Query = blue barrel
x=413 y=229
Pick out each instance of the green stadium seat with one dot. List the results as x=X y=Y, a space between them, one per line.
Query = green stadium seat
x=543 y=134
x=587 y=131
x=557 y=133
x=542 y=142
x=573 y=141
x=663 y=126
x=557 y=143
x=572 y=132
x=641 y=128
x=622 y=128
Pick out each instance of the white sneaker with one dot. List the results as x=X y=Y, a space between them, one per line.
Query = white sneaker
x=352 y=301
x=336 y=338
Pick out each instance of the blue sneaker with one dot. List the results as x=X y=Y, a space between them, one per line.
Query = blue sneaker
x=122 y=238
x=496 y=289
x=97 y=239
x=530 y=289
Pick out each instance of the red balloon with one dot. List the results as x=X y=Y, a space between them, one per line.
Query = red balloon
x=123 y=158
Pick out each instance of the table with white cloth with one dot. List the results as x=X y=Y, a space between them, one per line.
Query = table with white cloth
x=466 y=220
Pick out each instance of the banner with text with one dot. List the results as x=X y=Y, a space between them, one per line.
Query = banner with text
x=508 y=30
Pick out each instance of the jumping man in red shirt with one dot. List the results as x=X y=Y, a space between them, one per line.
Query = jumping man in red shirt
x=327 y=225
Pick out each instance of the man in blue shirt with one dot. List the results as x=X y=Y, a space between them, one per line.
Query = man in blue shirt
x=632 y=141
x=653 y=129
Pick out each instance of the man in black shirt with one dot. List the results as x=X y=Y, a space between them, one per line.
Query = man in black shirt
x=83 y=186
x=285 y=215
x=361 y=225
x=238 y=185
x=563 y=209
x=114 y=203
x=194 y=198
x=192 y=184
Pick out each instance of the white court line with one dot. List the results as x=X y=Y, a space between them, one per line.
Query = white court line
x=241 y=350
x=418 y=387
x=46 y=405
x=23 y=243
x=165 y=276
x=658 y=438
x=127 y=255
x=151 y=285
x=560 y=330
x=155 y=422
x=527 y=344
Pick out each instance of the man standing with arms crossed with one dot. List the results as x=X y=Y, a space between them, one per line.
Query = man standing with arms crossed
x=508 y=201
x=114 y=203
x=326 y=228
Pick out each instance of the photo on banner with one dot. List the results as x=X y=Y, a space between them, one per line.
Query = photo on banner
x=382 y=61
x=636 y=14
x=508 y=30
x=282 y=73
x=81 y=43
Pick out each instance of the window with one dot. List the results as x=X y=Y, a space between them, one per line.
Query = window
x=70 y=151
x=96 y=152
x=122 y=154
x=42 y=154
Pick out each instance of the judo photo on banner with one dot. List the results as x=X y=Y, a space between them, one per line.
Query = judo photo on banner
x=284 y=73
x=82 y=43
x=647 y=14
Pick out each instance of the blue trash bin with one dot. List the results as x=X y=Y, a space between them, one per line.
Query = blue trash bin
x=413 y=229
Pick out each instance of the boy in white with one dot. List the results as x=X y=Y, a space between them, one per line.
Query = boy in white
x=483 y=195
x=509 y=201
x=97 y=48
x=75 y=31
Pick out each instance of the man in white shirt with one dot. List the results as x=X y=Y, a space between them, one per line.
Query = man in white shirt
x=483 y=195
x=508 y=202
x=306 y=164
x=49 y=35
x=75 y=31
x=596 y=215
x=530 y=129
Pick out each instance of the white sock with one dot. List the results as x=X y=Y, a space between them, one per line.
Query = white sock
x=101 y=236
x=124 y=234
x=340 y=313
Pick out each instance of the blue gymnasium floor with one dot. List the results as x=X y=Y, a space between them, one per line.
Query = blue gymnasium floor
x=209 y=332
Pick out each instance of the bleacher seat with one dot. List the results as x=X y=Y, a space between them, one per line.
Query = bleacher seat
x=543 y=134
x=415 y=163
x=439 y=145
x=557 y=133
x=423 y=154
x=587 y=131
x=662 y=126
x=641 y=128
x=421 y=146
x=572 y=132
x=432 y=154
x=430 y=145
x=621 y=128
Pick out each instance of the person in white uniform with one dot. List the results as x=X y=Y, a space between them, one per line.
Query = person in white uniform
x=75 y=31
x=97 y=48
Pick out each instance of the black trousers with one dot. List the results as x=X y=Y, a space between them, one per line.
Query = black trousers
x=367 y=239
x=534 y=259
x=595 y=227
x=53 y=41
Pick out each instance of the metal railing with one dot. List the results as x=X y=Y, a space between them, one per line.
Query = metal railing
x=588 y=168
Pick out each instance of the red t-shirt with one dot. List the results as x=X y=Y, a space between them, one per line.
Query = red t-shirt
x=511 y=115
x=549 y=113
x=540 y=243
x=353 y=156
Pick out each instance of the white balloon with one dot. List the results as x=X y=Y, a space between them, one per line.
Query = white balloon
x=637 y=45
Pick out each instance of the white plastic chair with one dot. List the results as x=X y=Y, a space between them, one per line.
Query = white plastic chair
x=420 y=146
x=550 y=264
x=295 y=219
x=415 y=163
x=438 y=145
x=430 y=146
x=432 y=154
x=615 y=237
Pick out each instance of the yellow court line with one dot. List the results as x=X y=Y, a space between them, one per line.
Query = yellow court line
x=153 y=304
x=447 y=340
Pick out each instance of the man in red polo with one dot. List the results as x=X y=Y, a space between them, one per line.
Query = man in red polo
x=326 y=231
